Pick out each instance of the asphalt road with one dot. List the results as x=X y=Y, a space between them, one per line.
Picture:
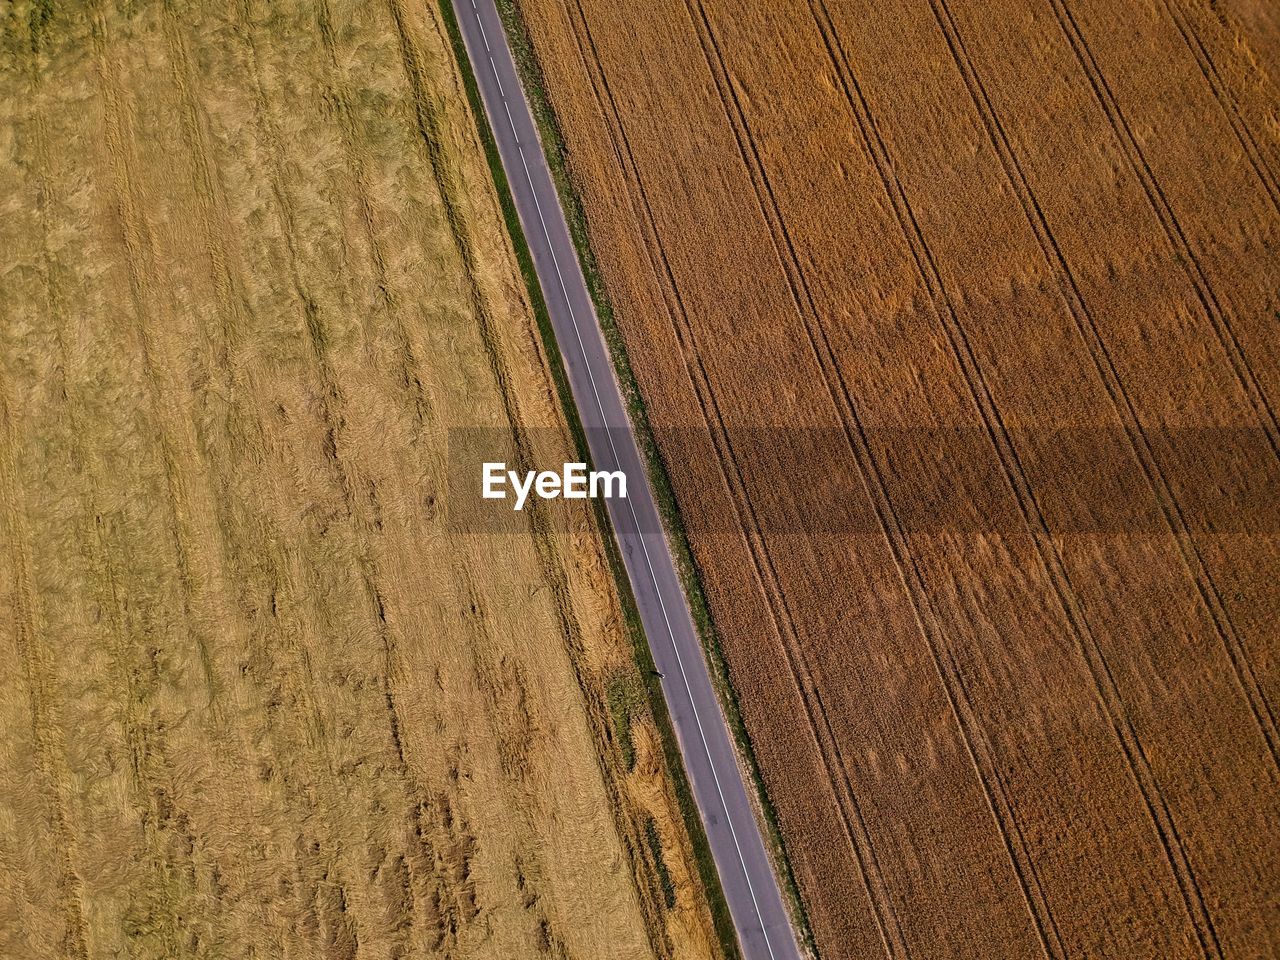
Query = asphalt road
x=755 y=902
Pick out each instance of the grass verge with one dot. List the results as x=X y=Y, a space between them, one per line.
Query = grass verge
x=544 y=115
x=659 y=864
x=644 y=659
x=623 y=697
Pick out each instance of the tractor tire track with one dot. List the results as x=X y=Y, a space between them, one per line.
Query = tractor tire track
x=1218 y=318
x=1099 y=669
x=236 y=316
x=852 y=821
x=1088 y=330
x=142 y=268
x=1176 y=856
x=406 y=360
x=333 y=419
x=34 y=657
x=972 y=733
x=1223 y=96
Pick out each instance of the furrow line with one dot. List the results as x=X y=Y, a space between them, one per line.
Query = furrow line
x=1087 y=328
x=971 y=731
x=1217 y=316
x=1222 y=94
x=852 y=820
x=330 y=397
x=1100 y=671
x=354 y=158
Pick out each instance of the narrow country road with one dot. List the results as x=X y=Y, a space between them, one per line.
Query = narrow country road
x=755 y=902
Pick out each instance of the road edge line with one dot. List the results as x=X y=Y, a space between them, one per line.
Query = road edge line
x=548 y=128
x=703 y=859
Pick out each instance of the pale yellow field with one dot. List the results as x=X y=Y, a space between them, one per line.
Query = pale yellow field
x=259 y=700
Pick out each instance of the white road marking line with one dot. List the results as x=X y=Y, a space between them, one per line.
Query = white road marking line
x=502 y=93
x=653 y=576
x=517 y=136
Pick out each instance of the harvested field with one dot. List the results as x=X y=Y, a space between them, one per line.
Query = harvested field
x=260 y=698
x=956 y=324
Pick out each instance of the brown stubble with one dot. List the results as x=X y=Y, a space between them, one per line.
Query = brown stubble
x=872 y=247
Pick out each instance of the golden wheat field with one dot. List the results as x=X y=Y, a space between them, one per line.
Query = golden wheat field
x=957 y=323
x=260 y=700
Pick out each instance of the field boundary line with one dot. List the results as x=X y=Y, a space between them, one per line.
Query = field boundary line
x=697 y=718
x=427 y=123
x=631 y=845
x=687 y=567
x=653 y=576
